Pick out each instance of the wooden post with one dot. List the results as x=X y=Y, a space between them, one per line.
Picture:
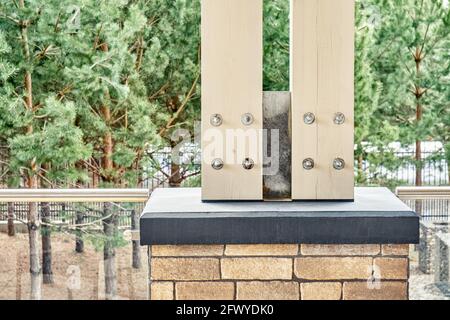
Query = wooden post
x=322 y=67
x=232 y=55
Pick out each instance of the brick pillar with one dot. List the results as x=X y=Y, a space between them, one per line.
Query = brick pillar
x=281 y=272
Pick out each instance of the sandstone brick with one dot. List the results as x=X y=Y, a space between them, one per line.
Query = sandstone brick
x=386 y=291
x=392 y=268
x=340 y=250
x=268 y=290
x=321 y=268
x=204 y=291
x=257 y=268
x=395 y=249
x=187 y=250
x=161 y=291
x=321 y=291
x=262 y=250
x=185 y=269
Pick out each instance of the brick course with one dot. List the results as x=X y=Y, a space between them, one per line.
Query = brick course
x=205 y=291
x=268 y=290
x=340 y=250
x=262 y=250
x=386 y=291
x=321 y=291
x=257 y=268
x=185 y=269
x=281 y=272
x=330 y=268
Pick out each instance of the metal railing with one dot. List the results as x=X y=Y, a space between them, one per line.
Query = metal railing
x=431 y=203
x=66 y=205
x=434 y=169
x=423 y=193
x=74 y=195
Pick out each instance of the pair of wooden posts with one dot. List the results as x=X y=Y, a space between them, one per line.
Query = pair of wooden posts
x=313 y=146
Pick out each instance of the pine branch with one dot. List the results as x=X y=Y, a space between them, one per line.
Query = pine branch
x=160 y=90
x=191 y=175
x=424 y=40
x=181 y=108
x=15 y=21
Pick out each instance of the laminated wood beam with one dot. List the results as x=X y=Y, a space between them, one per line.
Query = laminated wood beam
x=322 y=67
x=232 y=55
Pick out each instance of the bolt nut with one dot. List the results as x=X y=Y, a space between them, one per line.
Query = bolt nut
x=248 y=164
x=309 y=118
x=338 y=164
x=216 y=120
x=308 y=164
x=217 y=164
x=339 y=118
x=247 y=119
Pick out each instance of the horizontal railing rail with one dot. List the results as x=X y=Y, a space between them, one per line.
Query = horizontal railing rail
x=430 y=203
x=74 y=195
x=423 y=193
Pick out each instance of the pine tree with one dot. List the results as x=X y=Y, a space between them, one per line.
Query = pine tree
x=411 y=38
x=104 y=63
x=41 y=125
x=171 y=74
x=441 y=125
x=366 y=89
x=8 y=126
x=276 y=45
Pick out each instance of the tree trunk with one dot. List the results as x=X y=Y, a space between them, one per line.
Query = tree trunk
x=95 y=176
x=18 y=276
x=109 y=217
x=360 y=169
x=46 y=244
x=109 y=252
x=419 y=116
x=33 y=236
x=136 y=243
x=175 y=178
x=11 y=227
x=419 y=155
x=79 y=242
x=447 y=159
x=33 y=217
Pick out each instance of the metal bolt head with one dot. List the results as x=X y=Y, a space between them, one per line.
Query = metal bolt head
x=308 y=164
x=216 y=120
x=217 y=164
x=339 y=118
x=248 y=164
x=247 y=119
x=309 y=118
x=338 y=164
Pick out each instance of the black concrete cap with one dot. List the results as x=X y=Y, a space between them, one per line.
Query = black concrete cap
x=178 y=216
